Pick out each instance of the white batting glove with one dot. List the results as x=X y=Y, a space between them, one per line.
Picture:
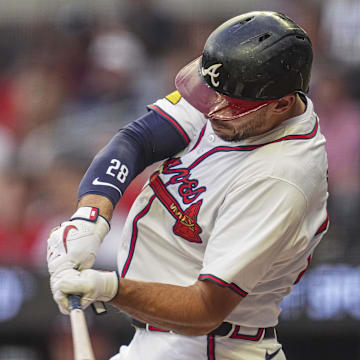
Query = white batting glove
x=54 y=279
x=92 y=285
x=75 y=243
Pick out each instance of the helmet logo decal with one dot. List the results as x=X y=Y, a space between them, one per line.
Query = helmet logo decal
x=211 y=71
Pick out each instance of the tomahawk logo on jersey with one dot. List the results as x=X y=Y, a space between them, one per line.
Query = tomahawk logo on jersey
x=185 y=225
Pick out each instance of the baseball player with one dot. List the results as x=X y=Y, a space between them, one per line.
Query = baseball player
x=229 y=221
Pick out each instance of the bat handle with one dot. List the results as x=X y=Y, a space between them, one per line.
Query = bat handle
x=81 y=339
x=74 y=302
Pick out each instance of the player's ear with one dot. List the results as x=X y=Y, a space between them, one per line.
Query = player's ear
x=284 y=104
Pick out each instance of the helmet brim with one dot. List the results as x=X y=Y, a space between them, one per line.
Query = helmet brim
x=212 y=104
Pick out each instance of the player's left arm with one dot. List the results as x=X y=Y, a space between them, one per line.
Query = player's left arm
x=145 y=141
x=192 y=310
x=74 y=243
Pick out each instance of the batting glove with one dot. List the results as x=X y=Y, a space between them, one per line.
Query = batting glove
x=92 y=285
x=75 y=243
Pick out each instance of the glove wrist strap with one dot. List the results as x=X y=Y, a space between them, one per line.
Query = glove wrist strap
x=88 y=213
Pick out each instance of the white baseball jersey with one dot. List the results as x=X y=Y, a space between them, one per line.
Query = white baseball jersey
x=246 y=215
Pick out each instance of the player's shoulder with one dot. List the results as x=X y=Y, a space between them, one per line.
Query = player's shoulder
x=176 y=106
x=176 y=109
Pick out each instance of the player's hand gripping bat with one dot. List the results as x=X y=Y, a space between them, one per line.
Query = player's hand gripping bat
x=80 y=334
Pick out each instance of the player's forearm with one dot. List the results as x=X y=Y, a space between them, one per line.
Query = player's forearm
x=188 y=330
x=184 y=310
x=101 y=202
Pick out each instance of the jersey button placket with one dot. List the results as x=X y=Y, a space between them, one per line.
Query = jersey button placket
x=211 y=138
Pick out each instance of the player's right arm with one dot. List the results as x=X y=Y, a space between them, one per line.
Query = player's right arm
x=153 y=137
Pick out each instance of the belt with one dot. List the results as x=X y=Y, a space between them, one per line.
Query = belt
x=223 y=330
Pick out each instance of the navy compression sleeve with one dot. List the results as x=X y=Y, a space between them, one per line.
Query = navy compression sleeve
x=143 y=142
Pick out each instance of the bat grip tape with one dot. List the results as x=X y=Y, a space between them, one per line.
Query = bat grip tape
x=74 y=302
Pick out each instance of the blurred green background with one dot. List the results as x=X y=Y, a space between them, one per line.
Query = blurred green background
x=72 y=73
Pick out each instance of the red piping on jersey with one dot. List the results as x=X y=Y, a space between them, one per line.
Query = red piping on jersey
x=237 y=335
x=134 y=236
x=200 y=137
x=153 y=328
x=323 y=226
x=254 y=147
x=223 y=283
x=172 y=120
x=211 y=347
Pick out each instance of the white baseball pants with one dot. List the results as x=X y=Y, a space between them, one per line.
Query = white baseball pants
x=168 y=346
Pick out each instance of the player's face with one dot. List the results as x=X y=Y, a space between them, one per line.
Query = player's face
x=243 y=127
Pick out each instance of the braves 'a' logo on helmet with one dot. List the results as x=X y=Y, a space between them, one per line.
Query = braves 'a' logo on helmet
x=211 y=71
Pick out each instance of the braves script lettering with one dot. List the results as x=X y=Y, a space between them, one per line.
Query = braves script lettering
x=188 y=188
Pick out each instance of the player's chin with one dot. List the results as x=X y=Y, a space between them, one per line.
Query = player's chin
x=231 y=135
x=223 y=130
x=226 y=135
x=228 y=138
x=220 y=127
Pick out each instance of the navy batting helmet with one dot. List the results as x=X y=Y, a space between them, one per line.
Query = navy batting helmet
x=247 y=62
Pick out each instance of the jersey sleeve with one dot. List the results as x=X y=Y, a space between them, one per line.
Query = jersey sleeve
x=185 y=118
x=254 y=224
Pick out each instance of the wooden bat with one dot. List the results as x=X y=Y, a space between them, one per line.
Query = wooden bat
x=80 y=334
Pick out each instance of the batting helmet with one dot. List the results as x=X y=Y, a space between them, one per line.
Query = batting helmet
x=247 y=62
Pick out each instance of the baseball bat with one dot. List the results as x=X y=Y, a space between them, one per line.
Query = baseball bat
x=80 y=334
